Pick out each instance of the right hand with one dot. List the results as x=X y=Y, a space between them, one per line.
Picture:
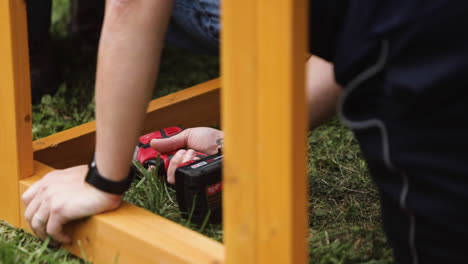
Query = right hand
x=201 y=139
x=60 y=197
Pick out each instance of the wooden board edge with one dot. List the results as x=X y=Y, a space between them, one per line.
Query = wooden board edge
x=195 y=106
x=54 y=140
x=186 y=94
x=16 y=159
x=133 y=235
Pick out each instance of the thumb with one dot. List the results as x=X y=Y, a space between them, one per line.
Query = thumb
x=173 y=143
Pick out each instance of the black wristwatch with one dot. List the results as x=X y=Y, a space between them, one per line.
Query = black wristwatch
x=95 y=179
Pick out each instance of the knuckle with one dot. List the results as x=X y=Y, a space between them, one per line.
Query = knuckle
x=187 y=132
x=28 y=216
x=50 y=174
x=180 y=153
x=24 y=197
x=43 y=188
x=35 y=226
x=51 y=232
x=47 y=197
x=56 y=208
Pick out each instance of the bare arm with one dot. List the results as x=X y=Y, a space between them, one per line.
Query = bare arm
x=128 y=61
x=322 y=91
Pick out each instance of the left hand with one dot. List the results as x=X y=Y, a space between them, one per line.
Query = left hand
x=62 y=196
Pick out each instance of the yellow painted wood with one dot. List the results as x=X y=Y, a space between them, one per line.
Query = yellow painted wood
x=282 y=195
x=134 y=235
x=264 y=113
x=238 y=101
x=194 y=106
x=264 y=117
x=15 y=107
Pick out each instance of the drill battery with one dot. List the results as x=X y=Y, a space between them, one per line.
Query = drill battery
x=199 y=189
x=198 y=182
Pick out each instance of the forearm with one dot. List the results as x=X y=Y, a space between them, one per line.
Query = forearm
x=128 y=62
x=322 y=91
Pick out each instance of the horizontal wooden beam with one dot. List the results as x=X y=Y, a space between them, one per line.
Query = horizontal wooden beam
x=195 y=106
x=133 y=235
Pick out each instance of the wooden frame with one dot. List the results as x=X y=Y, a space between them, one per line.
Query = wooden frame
x=264 y=205
x=264 y=165
x=201 y=100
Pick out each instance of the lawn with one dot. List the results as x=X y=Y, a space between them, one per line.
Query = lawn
x=344 y=211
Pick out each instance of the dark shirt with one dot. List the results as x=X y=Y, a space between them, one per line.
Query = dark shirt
x=349 y=32
x=422 y=92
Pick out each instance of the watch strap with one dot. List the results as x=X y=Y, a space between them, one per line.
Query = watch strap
x=95 y=179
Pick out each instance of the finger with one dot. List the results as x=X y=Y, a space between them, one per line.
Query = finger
x=204 y=139
x=55 y=229
x=173 y=143
x=175 y=161
x=32 y=208
x=31 y=192
x=189 y=155
x=39 y=220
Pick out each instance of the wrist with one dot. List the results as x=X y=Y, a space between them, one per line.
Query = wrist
x=102 y=195
x=112 y=167
x=104 y=184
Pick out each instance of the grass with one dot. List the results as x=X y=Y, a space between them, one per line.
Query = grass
x=344 y=213
x=152 y=193
x=344 y=206
x=17 y=246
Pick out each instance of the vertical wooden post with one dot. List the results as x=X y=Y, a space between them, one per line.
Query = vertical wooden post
x=16 y=157
x=239 y=119
x=264 y=119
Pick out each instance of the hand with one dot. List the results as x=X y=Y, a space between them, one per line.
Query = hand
x=62 y=196
x=201 y=139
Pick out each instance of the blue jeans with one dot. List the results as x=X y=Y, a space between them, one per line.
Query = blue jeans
x=195 y=25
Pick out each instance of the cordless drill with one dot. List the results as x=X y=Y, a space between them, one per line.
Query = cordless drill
x=197 y=182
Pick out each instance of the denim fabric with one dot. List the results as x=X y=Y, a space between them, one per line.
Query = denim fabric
x=195 y=25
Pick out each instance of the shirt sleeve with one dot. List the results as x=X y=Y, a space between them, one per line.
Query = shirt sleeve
x=325 y=22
